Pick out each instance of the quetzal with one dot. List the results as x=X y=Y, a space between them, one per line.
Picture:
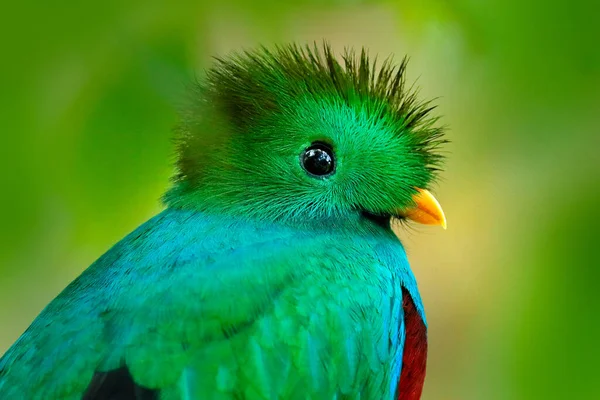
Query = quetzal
x=273 y=272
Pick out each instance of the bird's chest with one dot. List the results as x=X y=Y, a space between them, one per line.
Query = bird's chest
x=320 y=339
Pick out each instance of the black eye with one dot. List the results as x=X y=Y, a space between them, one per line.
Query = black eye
x=318 y=159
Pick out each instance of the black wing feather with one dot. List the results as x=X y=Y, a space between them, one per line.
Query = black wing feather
x=117 y=384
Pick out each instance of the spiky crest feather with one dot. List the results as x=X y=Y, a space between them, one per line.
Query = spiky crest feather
x=240 y=82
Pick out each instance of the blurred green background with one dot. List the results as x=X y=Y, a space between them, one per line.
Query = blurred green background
x=88 y=98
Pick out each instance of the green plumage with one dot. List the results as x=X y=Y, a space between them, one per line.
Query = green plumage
x=258 y=281
x=254 y=114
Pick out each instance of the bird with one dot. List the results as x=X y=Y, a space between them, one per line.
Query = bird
x=273 y=270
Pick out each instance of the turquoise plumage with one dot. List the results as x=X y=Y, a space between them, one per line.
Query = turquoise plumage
x=273 y=272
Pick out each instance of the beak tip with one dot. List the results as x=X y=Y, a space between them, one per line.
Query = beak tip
x=443 y=222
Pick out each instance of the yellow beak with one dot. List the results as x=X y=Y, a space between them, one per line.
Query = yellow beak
x=427 y=210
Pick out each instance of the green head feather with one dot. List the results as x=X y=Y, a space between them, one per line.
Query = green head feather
x=240 y=143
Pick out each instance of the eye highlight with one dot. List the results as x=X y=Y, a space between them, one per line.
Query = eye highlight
x=318 y=159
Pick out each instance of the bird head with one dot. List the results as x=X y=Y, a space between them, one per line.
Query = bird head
x=293 y=133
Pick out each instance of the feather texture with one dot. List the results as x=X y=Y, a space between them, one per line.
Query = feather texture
x=216 y=308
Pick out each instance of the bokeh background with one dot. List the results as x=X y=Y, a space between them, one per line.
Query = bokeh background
x=88 y=97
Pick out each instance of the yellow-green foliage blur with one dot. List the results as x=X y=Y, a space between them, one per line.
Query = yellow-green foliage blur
x=512 y=289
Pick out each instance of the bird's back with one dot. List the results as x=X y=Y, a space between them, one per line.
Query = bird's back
x=192 y=306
